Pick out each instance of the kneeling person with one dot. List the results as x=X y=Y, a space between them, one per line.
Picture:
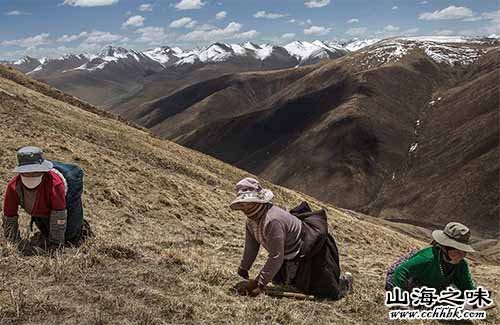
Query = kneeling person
x=43 y=191
x=438 y=266
x=298 y=256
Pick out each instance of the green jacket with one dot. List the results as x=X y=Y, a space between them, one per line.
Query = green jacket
x=426 y=267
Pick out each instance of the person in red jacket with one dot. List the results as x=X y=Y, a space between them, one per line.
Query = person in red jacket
x=41 y=191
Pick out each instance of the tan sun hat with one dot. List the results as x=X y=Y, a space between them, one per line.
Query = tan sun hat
x=454 y=235
x=250 y=190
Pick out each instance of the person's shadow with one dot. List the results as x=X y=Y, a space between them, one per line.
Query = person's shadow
x=35 y=245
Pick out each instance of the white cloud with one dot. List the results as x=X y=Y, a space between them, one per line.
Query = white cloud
x=153 y=35
x=292 y=21
x=443 y=32
x=71 y=38
x=221 y=15
x=17 y=13
x=288 y=35
x=192 y=24
x=317 y=30
x=448 y=13
x=146 y=7
x=205 y=27
x=89 y=3
x=316 y=3
x=231 y=31
x=494 y=17
x=268 y=15
x=473 y=18
x=135 y=21
x=411 y=31
x=98 y=37
x=390 y=28
x=190 y=4
x=395 y=8
x=29 y=42
x=357 y=31
x=181 y=22
x=247 y=35
x=423 y=2
x=353 y=20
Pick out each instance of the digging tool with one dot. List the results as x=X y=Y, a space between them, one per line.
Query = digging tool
x=240 y=288
x=287 y=294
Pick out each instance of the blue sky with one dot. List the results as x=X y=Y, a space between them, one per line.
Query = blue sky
x=55 y=27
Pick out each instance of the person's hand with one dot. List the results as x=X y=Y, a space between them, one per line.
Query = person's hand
x=243 y=273
x=253 y=289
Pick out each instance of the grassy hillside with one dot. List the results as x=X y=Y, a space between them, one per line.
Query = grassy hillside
x=167 y=246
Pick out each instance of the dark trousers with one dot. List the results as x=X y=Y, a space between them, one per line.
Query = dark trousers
x=74 y=221
x=318 y=275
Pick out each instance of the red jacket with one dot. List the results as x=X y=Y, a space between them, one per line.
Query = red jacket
x=50 y=195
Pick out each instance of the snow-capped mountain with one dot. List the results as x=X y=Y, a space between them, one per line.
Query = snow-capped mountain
x=26 y=63
x=295 y=53
x=356 y=45
x=441 y=49
x=119 y=57
x=317 y=50
x=164 y=55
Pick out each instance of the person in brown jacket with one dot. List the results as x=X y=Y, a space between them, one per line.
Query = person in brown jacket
x=301 y=252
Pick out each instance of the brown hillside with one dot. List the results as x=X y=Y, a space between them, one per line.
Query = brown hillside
x=342 y=131
x=166 y=245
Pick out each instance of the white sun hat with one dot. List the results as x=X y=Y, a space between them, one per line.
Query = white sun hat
x=250 y=190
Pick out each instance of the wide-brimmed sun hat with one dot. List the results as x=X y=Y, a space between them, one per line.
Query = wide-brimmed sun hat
x=30 y=160
x=454 y=235
x=250 y=190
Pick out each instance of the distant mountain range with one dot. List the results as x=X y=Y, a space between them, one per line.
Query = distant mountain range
x=116 y=76
x=299 y=52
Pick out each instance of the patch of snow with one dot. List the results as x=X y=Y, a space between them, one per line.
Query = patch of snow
x=86 y=67
x=356 y=45
x=251 y=46
x=23 y=60
x=264 y=51
x=441 y=39
x=177 y=50
x=40 y=67
x=214 y=53
x=191 y=59
x=413 y=147
x=305 y=50
x=238 y=49
x=388 y=51
x=158 y=54
x=333 y=46
x=450 y=55
x=432 y=102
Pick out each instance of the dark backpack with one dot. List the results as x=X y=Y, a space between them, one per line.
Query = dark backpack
x=73 y=175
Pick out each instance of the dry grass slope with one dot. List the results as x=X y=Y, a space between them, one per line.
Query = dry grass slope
x=166 y=245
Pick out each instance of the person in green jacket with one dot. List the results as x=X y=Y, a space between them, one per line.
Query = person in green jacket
x=438 y=266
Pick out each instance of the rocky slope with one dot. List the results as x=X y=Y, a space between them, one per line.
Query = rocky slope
x=167 y=245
